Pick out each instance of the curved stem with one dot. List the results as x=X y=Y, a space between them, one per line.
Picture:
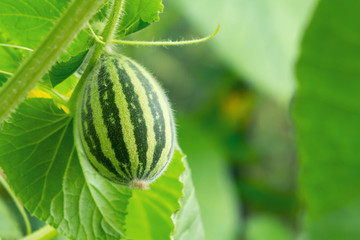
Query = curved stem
x=15 y=46
x=17 y=203
x=98 y=49
x=166 y=43
x=45 y=233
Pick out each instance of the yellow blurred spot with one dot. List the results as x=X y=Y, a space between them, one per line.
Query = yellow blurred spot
x=237 y=106
x=68 y=95
x=38 y=94
x=66 y=109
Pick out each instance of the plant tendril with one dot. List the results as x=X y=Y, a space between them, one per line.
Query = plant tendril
x=166 y=43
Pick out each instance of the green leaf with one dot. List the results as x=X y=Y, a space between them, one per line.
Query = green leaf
x=188 y=224
x=25 y=23
x=9 y=227
x=38 y=155
x=326 y=113
x=139 y=14
x=62 y=70
x=258 y=39
x=152 y=210
x=9 y=58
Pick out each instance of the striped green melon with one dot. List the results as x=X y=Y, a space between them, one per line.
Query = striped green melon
x=125 y=123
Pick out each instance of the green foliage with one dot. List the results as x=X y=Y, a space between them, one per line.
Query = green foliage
x=138 y=15
x=327 y=113
x=62 y=70
x=38 y=144
x=146 y=213
x=188 y=221
x=72 y=196
x=25 y=23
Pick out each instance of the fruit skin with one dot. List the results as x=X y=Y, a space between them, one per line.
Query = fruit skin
x=125 y=123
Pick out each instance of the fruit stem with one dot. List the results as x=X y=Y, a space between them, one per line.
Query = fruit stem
x=114 y=19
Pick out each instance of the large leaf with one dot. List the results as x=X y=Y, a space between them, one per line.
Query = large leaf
x=258 y=39
x=38 y=155
x=327 y=113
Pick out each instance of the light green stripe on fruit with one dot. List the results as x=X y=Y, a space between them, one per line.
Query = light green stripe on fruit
x=100 y=128
x=165 y=107
x=148 y=118
x=86 y=147
x=122 y=105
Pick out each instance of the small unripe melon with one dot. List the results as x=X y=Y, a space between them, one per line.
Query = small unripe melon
x=125 y=123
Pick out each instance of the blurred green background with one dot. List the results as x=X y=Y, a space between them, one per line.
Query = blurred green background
x=231 y=97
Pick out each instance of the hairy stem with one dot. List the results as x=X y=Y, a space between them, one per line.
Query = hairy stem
x=49 y=50
x=166 y=43
x=17 y=203
x=45 y=233
x=98 y=49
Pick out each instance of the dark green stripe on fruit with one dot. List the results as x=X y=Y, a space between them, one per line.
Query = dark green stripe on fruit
x=157 y=114
x=91 y=137
x=111 y=118
x=136 y=116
